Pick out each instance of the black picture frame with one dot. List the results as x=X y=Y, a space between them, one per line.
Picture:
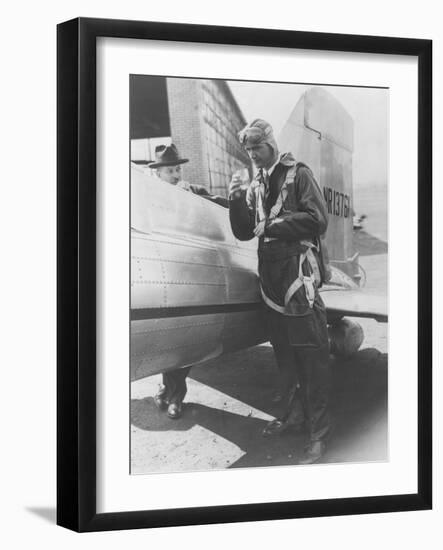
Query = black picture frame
x=76 y=278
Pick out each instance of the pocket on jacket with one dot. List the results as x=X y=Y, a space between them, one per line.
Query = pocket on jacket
x=307 y=326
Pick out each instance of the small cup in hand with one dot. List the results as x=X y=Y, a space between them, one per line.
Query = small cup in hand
x=239 y=183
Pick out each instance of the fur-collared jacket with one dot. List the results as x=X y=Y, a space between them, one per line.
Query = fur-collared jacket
x=303 y=213
x=295 y=215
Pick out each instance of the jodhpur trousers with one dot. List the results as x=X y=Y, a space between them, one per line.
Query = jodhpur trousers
x=304 y=379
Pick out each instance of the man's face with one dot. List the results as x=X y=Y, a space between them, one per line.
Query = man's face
x=261 y=155
x=170 y=174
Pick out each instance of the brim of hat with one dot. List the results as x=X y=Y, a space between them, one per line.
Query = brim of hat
x=171 y=163
x=142 y=162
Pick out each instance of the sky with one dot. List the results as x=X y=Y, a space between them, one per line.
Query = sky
x=369 y=108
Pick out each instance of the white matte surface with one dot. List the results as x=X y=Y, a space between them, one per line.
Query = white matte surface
x=119 y=491
x=28 y=458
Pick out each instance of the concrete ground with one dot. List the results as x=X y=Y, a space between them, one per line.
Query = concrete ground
x=229 y=402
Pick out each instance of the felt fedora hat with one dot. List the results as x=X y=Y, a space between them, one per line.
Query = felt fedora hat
x=167 y=155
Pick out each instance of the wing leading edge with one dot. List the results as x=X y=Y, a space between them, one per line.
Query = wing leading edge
x=341 y=302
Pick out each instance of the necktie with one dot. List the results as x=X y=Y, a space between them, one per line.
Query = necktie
x=263 y=194
x=264 y=179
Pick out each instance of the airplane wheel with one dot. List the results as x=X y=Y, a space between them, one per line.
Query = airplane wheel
x=345 y=337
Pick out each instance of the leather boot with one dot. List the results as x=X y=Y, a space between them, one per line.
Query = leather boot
x=175 y=410
x=313 y=452
x=278 y=427
x=160 y=399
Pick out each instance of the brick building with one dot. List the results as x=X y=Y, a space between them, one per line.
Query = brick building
x=200 y=116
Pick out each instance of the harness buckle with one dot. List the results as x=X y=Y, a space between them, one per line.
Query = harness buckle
x=308 y=283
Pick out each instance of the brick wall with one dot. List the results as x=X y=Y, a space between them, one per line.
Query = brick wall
x=184 y=101
x=221 y=120
x=204 y=120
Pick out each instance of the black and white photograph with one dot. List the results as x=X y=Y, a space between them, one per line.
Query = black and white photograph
x=259 y=251
x=244 y=274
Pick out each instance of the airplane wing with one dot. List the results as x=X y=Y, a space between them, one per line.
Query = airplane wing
x=195 y=289
x=343 y=297
x=341 y=302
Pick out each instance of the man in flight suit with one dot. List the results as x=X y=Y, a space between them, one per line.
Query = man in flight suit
x=285 y=209
x=168 y=168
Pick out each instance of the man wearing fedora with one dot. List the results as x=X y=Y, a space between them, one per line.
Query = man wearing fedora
x=284 y=207
x=167 y=165
x=168 y=168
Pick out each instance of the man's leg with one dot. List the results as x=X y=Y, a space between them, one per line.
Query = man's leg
x=291 y=412
x=161 y=397
x=282 y=351
x=175 y=382
x=176 y=388
x=315 y=381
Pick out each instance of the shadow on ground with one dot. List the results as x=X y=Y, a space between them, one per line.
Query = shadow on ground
x=359 y=408
x=242 y=431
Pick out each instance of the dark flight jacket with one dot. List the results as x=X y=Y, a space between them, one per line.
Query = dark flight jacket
x=299 y=224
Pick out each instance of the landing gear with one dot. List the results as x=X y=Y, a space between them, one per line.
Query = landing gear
x=345 y=337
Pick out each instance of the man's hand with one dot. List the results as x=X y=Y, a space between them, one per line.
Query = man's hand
x=259 y=229
x=235 y=187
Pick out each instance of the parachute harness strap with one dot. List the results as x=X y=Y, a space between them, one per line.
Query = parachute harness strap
x=308 y=281
x=263 y=192
x=303 y=280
